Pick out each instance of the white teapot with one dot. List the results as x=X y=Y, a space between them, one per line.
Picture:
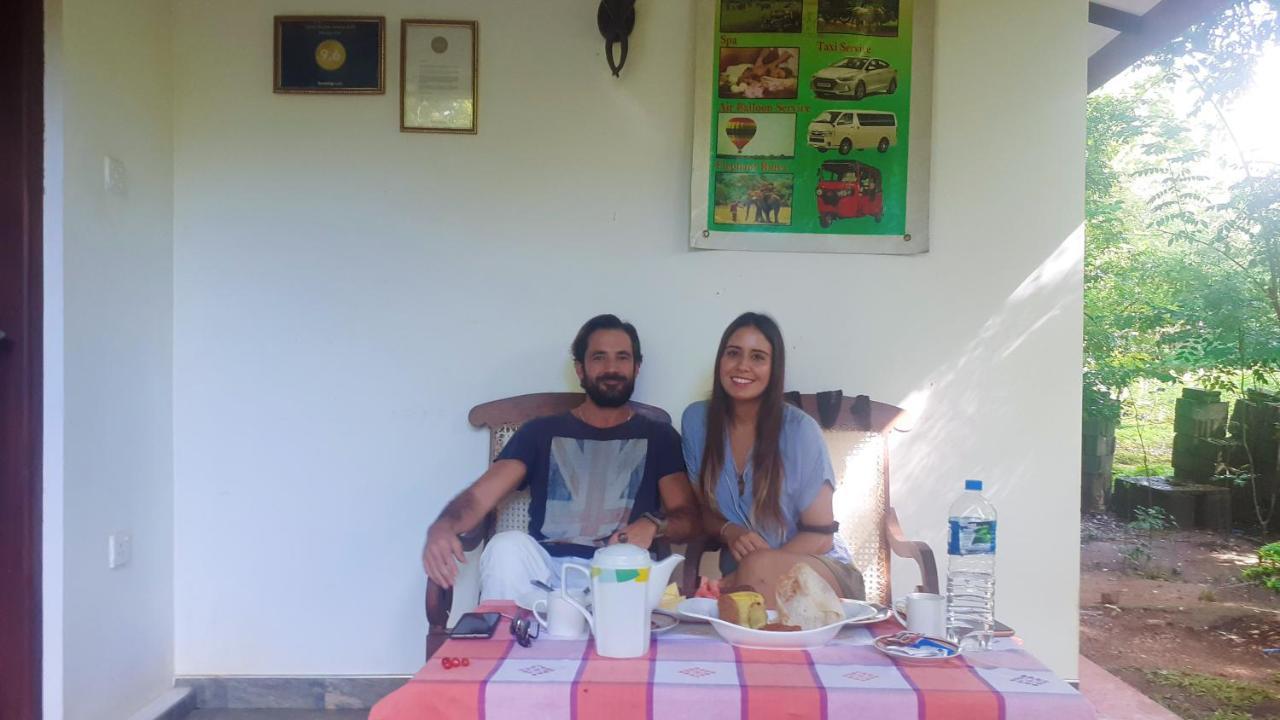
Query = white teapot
x=626 y=586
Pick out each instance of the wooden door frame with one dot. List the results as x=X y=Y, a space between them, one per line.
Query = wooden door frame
x=21 y=309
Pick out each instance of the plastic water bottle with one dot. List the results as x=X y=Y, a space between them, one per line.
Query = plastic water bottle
x=971 y=569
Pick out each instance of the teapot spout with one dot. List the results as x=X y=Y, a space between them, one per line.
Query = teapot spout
x=659 y=576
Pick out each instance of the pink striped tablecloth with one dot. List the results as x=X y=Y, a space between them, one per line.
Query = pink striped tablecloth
x=691 y=673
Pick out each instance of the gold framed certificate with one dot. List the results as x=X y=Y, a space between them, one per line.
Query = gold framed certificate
x=329 y=54
x=438 y=75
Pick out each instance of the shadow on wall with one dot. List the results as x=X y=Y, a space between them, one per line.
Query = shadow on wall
x=980 y=415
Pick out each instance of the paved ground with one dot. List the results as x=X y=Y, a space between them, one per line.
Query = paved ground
x=1169 y=614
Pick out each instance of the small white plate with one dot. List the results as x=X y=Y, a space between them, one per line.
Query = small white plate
x=533 y=595
x=696 y=609
x=661 y=621
x=882 y=613
x=527 y=598
x=545 y=633
x=855 y=611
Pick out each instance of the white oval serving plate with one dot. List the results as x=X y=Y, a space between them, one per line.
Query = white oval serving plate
x=704 y=610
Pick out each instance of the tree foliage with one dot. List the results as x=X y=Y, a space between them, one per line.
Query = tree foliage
x=1178 y=271
x=1221 y=53
x=1182 y=274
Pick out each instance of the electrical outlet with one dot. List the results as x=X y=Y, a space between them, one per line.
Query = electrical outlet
x=114 y=177
x=119 y=550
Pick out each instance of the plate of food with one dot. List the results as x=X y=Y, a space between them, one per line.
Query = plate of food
x=696 y=609
x=809 y=613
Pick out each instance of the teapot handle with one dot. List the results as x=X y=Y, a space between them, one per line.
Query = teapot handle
x=564 y=583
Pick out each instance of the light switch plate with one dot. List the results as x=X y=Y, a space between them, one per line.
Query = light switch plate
x=114 y=177
x=119 y=550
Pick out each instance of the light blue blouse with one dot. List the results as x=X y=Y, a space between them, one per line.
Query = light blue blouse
x=806 y=466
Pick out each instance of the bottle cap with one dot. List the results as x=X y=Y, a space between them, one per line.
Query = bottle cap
x=973 y=485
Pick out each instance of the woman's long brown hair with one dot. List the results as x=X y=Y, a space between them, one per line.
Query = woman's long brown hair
x=766 y=456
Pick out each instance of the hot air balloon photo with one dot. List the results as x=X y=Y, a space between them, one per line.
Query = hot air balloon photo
x=740 y=131
x=757 y=135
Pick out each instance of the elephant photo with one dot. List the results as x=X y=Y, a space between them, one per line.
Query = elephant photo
x=767 y=203
x=753 y=198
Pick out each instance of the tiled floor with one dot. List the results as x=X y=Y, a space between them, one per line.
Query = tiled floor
x=279 y=715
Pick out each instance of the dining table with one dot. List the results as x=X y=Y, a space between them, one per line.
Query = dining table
x=691 y=673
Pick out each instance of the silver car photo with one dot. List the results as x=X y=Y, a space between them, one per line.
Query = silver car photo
x=854 y=77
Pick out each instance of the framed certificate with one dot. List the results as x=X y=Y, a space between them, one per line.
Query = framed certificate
x=330 y=54
x=438 y=73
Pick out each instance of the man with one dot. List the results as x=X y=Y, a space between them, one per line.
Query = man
x=599 y=474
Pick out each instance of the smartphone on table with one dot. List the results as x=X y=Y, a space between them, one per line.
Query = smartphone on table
x=475 y=625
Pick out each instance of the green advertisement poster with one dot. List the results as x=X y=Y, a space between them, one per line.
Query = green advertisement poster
x=810 y=118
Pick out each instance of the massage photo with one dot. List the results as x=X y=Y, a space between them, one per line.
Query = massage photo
x=759 y=72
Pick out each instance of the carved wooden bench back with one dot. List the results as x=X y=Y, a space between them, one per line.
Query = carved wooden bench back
x=858 y=445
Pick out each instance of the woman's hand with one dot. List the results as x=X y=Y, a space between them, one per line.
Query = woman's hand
x=742 y=542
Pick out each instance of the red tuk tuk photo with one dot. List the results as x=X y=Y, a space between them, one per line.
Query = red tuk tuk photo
x=848 y=189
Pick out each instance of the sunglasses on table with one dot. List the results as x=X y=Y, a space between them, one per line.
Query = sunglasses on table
x=524 y=628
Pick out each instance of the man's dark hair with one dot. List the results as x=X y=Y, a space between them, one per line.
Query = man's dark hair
x=604 y=322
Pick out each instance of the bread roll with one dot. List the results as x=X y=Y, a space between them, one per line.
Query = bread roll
x=805 y=599
x=745 y=608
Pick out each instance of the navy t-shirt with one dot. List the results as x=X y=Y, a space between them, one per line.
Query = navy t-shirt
x=585 y=482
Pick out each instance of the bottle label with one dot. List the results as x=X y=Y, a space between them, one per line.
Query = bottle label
x=972 y=537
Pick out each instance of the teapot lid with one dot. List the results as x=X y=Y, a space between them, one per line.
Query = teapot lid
x=621 y=555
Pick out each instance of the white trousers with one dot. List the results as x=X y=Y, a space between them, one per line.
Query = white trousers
x=512 y=560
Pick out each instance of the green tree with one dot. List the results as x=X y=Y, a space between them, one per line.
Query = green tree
x=1176 y=282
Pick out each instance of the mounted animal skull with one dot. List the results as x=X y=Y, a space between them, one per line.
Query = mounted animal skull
x=616 y=19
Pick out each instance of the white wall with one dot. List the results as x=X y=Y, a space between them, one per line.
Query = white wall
x=111 y=339
x=54 y=397
x=344 y=293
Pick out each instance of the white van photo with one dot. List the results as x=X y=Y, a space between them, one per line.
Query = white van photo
x=853 y=130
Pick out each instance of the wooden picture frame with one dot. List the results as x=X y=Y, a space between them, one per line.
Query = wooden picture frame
x=330 y=55
x=439 y=76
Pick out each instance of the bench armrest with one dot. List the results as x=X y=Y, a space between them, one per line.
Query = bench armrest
x=439 y=600
x=913 y=549
x=693 y=551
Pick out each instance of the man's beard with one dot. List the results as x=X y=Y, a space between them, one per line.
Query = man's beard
x=609 y=397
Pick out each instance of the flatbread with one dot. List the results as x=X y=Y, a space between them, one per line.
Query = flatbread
x=805 y=599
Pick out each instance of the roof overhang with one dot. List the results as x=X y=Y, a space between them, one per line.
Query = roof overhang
x=1122 y=32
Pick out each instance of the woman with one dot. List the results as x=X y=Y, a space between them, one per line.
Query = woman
x=763 y=470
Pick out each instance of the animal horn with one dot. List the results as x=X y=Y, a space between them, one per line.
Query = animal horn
x=616 y=67
x=616 y=19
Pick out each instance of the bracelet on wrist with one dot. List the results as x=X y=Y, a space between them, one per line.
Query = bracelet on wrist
x=831 y=529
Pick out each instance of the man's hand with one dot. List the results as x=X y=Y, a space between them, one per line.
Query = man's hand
x=463 y=513
x=742 y=542
x=439 y=553
x=639 y=533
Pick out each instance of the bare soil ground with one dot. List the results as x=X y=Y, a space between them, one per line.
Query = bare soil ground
x=1177 y=621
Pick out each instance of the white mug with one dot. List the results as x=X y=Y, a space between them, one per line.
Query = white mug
x=926 y=614
x=562 y=619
